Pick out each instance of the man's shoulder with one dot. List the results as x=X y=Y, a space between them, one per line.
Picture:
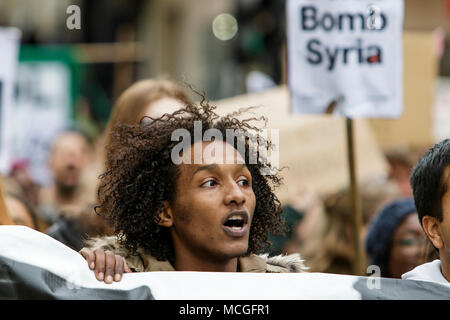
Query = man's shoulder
x=430 y=271
x=105 y=243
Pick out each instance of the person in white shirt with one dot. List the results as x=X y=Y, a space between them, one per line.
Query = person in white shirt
x=430 y=271
x=430 y=181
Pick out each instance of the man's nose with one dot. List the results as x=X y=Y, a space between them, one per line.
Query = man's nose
x=72 y=160
x=234 y=194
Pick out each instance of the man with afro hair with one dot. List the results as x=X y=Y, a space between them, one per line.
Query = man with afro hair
x=188 y=209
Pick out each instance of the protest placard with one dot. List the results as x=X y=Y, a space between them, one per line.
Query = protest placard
x=347 y=51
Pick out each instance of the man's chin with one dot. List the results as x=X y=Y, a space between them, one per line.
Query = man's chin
x=66 y=188
x=237 y=251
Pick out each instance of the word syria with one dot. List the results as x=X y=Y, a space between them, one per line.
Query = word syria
x=358 y=51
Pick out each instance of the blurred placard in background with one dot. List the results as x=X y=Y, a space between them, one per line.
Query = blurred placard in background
x=43 y=106
x=9 y=48
x=414 y=129
x=312 y=147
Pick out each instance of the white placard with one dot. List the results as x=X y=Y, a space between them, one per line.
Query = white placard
x=348 y=51
x=9 y=55
x=42 y=111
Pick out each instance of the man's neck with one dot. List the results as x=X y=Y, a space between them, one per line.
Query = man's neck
x=184 y=262
x=64 y=195
x=445 y=268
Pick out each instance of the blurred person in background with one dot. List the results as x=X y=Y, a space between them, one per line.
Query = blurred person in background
x=20 y=195
x=430 y=182
x=395 y=242
x=67 y=206
x=401 y=162
x=145 y=98
x=73 y=231
x=20 y=211
x=21 y=176
x=302 y=215
x=69 y=155
x=329 y=245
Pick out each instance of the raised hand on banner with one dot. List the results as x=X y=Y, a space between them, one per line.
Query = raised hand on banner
x=108 y=267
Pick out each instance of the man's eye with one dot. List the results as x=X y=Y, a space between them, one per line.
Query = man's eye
x=243 y=182
x=209 y=183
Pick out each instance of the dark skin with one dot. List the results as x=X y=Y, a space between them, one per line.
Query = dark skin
x=106 y=265
x=207 y=194
x=408 y=244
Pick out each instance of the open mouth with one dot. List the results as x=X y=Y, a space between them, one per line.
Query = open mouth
x=236 y=224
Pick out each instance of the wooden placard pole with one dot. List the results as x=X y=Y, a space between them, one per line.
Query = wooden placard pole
x=5 y=218
x=359 y=263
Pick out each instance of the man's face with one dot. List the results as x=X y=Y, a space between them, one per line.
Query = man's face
x=68 y=158
x=214 y=206
x=19 y=213
x=444 y=225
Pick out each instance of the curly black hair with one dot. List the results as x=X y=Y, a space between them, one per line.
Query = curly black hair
x=140 y=176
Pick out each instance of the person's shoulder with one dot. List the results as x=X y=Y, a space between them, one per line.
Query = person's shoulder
x=104 y=243
x=430 y=271
x=285 y=263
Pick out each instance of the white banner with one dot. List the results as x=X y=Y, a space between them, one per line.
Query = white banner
x=9 y=52
x=35 y=266
x=349 y=51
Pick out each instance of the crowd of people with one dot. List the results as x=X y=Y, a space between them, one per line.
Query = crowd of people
x=123 y=203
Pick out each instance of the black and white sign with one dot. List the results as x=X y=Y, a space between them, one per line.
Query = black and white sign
x=35 y=266
x=348 y=51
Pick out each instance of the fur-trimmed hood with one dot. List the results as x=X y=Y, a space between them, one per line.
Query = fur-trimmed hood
x=143 y=262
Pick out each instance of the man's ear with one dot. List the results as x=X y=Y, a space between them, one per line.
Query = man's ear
x=431 y=226
x=165 y=216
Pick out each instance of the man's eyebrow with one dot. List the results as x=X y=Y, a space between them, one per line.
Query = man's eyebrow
x=207 y=167
x=213 y=166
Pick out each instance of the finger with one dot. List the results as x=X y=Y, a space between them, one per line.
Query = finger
x=119 y=268
x=89 y=255
x=99 y=264
x=110 y=265
x=126 y=268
